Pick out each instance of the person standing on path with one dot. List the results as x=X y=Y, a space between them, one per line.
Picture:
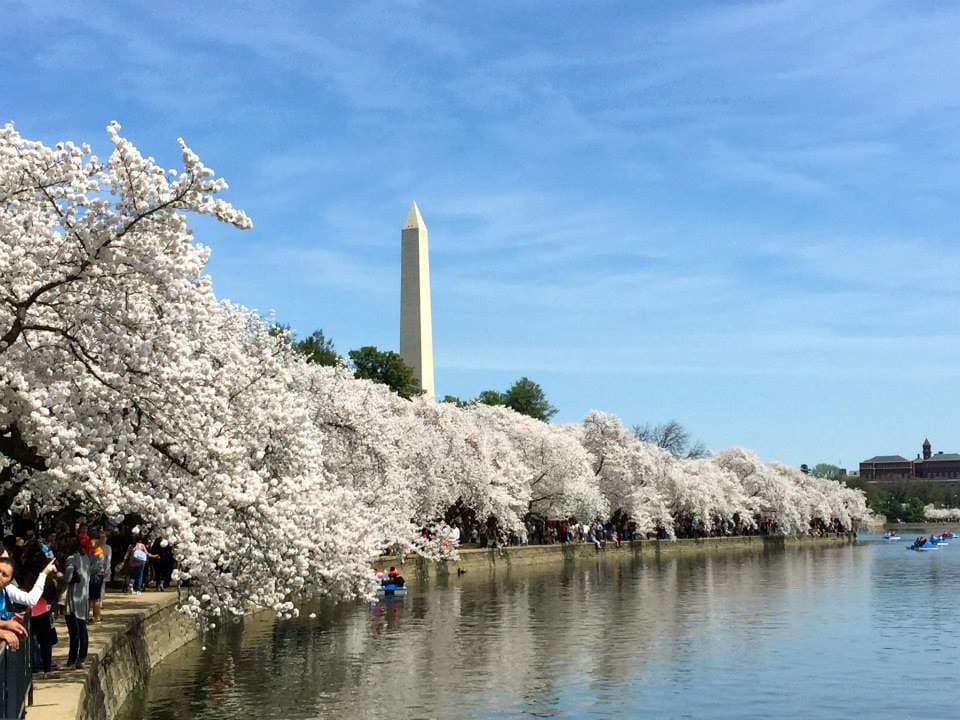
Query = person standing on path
x=137 y=557
x=107 y=562
x=77 y=578
x=164 y=564
x=35 y=565
x=99 y=567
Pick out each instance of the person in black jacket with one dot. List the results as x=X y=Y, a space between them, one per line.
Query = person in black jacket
x=163 y=565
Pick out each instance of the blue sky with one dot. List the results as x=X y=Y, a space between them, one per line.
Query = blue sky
x=739 y=215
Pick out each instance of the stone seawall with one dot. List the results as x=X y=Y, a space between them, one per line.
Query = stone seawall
x=136 y=633
x=126 y=661
x=492 y=560
x=139 y=632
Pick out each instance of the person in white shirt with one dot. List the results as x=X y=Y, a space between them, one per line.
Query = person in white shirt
x=13 y=595
x=11 y=630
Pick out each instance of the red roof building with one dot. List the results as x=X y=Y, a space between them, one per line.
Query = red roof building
x=939 y=467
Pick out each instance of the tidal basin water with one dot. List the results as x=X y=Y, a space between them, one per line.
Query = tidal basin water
x=866 y=629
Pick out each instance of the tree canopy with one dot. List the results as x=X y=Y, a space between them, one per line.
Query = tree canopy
x=317 y=349
x=524 y=396
x=385 y=367
x=826 y=470
x=672 y=437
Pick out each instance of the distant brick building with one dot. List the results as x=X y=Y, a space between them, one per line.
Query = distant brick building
x=886 y=467
x=940 y=467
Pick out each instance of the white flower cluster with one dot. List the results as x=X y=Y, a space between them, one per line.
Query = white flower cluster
x=934 y=514
x=654 y=486
x=125 y=384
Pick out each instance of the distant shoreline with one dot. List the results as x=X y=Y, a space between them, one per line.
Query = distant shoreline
x=920 y=527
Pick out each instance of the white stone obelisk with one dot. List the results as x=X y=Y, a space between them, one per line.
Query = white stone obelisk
x=416 y=325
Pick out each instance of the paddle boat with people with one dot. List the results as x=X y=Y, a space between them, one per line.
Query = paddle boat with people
x=924 y=544
x=392 y=584
x=890 y=535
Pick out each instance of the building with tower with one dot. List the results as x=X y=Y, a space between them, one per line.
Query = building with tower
x=937 y=467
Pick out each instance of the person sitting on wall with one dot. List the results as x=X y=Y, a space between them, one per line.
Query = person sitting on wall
x=592 y=537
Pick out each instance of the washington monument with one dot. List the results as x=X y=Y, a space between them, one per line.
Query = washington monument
x=416 y=326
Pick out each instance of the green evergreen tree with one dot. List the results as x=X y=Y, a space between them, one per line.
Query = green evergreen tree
x=386 y=367
x=524 y=396
x=317 y=349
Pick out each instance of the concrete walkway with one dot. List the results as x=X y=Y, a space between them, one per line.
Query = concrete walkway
x=60 y=697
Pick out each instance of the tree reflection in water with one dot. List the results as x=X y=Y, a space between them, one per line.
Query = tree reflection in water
x=557 y=642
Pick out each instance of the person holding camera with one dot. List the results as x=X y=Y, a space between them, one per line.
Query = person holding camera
x=11 y=626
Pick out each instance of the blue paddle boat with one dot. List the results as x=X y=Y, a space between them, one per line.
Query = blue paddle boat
x=391 y=590
x=392 y=584
x=924 y=544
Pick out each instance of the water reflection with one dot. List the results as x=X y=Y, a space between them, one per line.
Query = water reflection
x=813 y=633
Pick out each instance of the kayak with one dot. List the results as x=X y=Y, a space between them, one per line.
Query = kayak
x=391 y=590
x=891 y=537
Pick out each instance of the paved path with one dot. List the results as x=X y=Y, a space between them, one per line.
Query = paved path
x=59 y=698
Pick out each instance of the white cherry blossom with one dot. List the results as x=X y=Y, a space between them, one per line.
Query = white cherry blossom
x=127 y=387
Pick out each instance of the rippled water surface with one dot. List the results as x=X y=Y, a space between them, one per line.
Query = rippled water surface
x=811 y=633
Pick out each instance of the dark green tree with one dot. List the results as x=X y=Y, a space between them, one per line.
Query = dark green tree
x=282 y=331
x=385 y=367
x=525 y=397
x=490 y=397
x=317 y=348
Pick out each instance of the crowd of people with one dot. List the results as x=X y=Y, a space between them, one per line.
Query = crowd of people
x=61 y=575
x=616 y=529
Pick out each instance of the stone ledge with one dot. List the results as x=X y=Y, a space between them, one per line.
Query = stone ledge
x=492 y=560
x=136 y=633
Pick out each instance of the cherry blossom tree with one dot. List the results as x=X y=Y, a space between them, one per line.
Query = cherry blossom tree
x=656 y=488
x=127 y=387
x=555 y=469
x=464 y=459
x=630 y=473
x=935 y=514
x=366 y=432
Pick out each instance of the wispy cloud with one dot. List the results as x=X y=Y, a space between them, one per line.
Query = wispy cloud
x=716 y=190
x=770 y=174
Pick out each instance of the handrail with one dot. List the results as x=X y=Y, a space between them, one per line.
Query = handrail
x=16 y=679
